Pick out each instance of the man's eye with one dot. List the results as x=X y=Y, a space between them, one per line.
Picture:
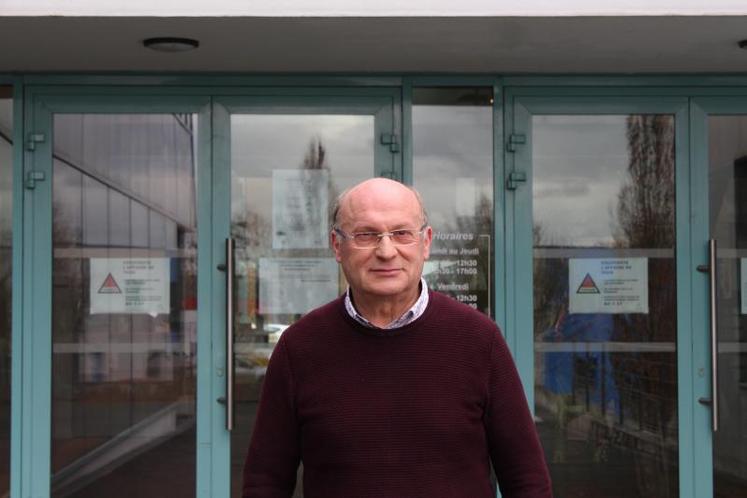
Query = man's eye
x=403 y=234
x=366 y=236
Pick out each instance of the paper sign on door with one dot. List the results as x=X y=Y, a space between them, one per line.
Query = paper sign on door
x=608 y=285
x=130 y=285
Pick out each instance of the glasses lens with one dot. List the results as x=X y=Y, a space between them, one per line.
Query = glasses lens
x=404 y=237
x=366 y=239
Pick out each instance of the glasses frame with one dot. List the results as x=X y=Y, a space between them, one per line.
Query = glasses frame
x=380 y=235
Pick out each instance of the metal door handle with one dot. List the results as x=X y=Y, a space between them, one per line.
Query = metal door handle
x=230 y=274
x=713 y=325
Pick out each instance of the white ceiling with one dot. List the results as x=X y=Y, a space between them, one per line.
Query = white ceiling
x=506 y=45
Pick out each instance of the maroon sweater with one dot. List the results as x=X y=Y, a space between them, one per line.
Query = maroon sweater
x=418 y=411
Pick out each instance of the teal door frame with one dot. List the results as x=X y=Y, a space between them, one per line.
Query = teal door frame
x=32 y=422
x=31 y=451
x=700 y=109
x=383 y=104
x=521 y=105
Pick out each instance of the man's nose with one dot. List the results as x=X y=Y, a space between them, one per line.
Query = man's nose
x=386 y=249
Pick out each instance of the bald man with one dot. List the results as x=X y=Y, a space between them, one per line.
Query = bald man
x=392 y=390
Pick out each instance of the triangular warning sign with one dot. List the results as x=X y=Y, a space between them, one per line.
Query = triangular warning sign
x=588 y=286
x=110 y=286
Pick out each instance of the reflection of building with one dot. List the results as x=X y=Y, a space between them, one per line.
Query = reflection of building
x=121 y=153
x=113 y=337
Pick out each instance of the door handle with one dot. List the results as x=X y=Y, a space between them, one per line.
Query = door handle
x=230 y=274
x=711 y=269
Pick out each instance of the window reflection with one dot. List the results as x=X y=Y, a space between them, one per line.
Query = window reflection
x=286 y=171
x=453 y=170
x=604 y=303
x=727 y=143
x=6 y=273
x=124 y=305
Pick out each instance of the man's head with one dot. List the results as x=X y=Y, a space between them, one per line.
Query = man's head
x=388 y=270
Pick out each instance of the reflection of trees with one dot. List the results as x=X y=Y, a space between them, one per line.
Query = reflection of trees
x=253 y=232
x=642 y=429
x=645 y=210
x=478 y=225
x=645 y=217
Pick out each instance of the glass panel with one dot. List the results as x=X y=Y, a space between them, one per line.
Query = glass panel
x=728 y=212
x=6 y=257
x=124 y=305
x=605 y=303
x=286 y=170
x=453 y=170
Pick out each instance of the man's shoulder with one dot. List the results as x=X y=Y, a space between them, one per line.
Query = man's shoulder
x=446 y=308
x=321 y=318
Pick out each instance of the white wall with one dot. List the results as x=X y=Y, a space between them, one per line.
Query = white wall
x=372 y=8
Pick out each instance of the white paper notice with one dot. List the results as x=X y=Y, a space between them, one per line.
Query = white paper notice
x=608 y=285
x=131 y=285
x=300 y=202
x=296 y=285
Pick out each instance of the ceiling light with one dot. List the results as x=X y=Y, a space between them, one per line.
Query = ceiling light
x=170 y=44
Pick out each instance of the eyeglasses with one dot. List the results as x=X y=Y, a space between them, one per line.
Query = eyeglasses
x=368 y=240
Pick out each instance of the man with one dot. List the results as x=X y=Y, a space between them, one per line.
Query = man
x=391 y=390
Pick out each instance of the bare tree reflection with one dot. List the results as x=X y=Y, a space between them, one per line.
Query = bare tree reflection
x=646 y=220
x=466 y=259
x=619 y=407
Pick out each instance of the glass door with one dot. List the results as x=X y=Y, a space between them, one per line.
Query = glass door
x=598 y=289
x=281 y=162
x=112 y=326
x=721 y=132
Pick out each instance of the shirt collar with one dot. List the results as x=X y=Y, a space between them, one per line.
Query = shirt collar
x=408 y=316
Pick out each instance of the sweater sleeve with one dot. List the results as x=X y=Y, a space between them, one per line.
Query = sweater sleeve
x=515 y=450
x=273 y=458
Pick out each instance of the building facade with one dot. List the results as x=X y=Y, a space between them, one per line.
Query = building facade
x=164 y=217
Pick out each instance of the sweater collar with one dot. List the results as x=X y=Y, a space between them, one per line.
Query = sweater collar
x=407 y=317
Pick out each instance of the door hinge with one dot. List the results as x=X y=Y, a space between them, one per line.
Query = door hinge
x=390 y=139
x=32 y=177
x=514 y=179
x=35 y=138
x=514 y=140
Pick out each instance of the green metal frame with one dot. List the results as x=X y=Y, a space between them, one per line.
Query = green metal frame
x=17 y=288
x=700 y=109
x=520 y=108
x=37 y=96
x=499 y=247
x=32 y=417
x=383 y=106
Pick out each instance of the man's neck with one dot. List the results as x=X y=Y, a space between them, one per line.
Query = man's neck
x=381 y=311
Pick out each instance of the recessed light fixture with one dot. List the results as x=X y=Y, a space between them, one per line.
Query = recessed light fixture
x=743 y=44
x=170 y=44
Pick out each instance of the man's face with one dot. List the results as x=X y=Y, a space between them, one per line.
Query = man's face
x=386 y=271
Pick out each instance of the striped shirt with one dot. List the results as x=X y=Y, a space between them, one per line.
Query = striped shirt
x=409 y=316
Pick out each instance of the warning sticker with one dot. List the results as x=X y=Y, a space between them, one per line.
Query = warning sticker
x=588 y=286
x=608 y=285
x=110 y=286
x=130 y=285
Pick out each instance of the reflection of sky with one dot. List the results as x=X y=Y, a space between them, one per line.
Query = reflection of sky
x=263 y=142
x=451 y=143
x=579 y=166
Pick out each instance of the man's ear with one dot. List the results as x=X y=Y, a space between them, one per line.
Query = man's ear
x=335 y=242
x=427 y=239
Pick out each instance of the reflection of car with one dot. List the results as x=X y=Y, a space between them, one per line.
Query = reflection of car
x=251 y=358
x=274 y=330
x=252 y=363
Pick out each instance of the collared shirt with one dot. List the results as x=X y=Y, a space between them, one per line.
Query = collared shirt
x=409 y=316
